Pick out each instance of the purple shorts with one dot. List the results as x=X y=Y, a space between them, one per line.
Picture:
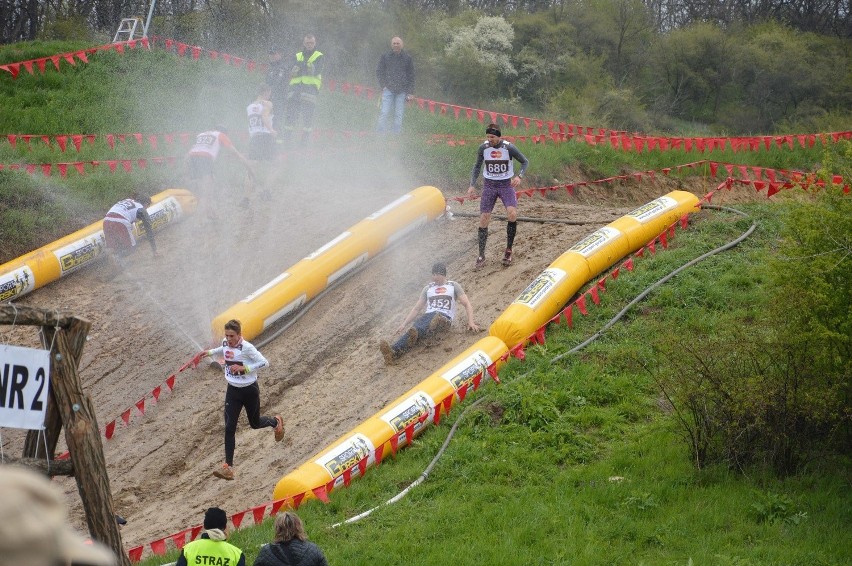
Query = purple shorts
x=493 y=189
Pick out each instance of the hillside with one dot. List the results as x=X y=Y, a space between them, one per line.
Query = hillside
x=326 y=372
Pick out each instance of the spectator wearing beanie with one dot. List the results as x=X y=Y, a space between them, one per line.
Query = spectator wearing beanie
x=211 y=547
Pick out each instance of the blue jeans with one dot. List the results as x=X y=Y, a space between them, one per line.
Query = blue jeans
x=421 y=323
x=398 y=102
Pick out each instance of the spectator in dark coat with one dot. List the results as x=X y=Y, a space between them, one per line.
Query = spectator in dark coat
x=291 y=546
x=396 y=79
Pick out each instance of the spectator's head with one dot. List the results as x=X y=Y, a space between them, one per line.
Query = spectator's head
x=288 y=526
x=396 y=44
x=34 y=525
x=309 y=42
x=215 y=518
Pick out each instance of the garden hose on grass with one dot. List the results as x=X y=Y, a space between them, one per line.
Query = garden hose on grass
x=573 y=350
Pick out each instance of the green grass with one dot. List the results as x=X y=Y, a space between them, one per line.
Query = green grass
x=574 y=461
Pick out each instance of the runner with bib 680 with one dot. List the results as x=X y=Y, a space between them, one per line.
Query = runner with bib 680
x=496 y=156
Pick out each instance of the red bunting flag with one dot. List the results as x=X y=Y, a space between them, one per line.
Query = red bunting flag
x=135 y=553
x=237 y=519
x=394 y=443
x=581 y=305
x=63 y=169
x=179 y=539
x=258 y=513
x=170 y=382
x=594 y=294
x=195 y=531
x=462 y=391
x=362 y=466
x=448 y=403
x=436 y=415
x=140 y=404
x=379 y=453
x=110 y=430
x=297 y=500
x=347 y=477
x=409 y=433
x=569 y=315
x=276 y=506
x=518 y=352
x=159 y=546
x=156 y=393
x=492 y=371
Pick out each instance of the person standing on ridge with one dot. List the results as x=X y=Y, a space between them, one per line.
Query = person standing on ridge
x=242 y=360
x=499 y=181
x=277 y=77
x=305 y=85
x=396 y=79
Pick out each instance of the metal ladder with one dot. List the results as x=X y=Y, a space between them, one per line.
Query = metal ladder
x=127 y=29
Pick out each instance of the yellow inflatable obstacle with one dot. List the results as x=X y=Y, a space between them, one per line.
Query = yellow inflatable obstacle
x=410 y=414
x=548 y=293
x=82 y=248
x=310 y=276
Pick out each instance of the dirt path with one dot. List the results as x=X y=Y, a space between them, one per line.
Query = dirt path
x=326 y=373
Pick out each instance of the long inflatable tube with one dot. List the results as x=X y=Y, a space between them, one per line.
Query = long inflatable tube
x=537 y=304
x=414 y=410
x=82 y=248
x=543 y=298
x=307 y=278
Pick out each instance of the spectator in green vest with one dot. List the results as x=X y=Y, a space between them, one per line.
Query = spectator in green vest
x=211 y=547
x=305 y=84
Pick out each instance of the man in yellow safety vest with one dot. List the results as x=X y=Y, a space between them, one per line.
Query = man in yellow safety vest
x=211 y=547
x=305 y=84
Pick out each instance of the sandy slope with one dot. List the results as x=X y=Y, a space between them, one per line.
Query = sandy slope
x=326 y=372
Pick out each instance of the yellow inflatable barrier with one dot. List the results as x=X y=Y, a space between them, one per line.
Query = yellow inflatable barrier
x=310 y=276
x=82 y=248
x=548 y=293
x=414 y=410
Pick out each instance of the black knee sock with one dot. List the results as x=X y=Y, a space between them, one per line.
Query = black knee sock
x=483 y=237
x=511 y=230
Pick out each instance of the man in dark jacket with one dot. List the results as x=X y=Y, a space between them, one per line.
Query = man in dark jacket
x=278 y=79
x=396 y=78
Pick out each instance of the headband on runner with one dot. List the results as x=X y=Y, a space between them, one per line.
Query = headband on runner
x=493 y=131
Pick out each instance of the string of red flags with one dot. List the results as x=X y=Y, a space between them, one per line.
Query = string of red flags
x=84 y=167
x=70 y=58
x=760 y=178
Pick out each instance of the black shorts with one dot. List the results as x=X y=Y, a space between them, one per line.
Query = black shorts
x=261 y=147
x=200 y=166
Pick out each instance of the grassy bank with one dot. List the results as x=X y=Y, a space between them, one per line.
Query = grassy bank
x=580 y=460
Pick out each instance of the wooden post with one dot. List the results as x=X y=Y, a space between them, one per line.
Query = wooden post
x=78 y=417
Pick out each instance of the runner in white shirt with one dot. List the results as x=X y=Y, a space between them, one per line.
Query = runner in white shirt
x=242 y=360
x=432 y=314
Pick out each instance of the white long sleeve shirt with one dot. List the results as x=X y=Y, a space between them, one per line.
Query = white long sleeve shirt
x=244 y=353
